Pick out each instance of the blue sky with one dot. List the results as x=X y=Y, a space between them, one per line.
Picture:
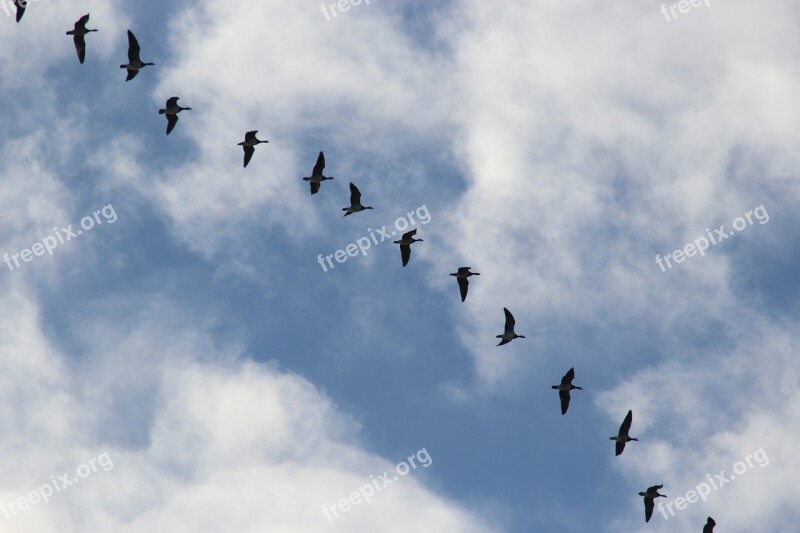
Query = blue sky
x=557 y=147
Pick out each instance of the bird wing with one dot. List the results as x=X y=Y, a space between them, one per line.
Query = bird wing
x=409 y=234
x=648 y=508
x=133 y=48
x=405 y=253
x=172 y=102
x=20 y=11
x=250 y=136
x=564 y=395
x=319 y=166
x=82 y=21
x=463 y=285
x=709 y=527
x=463 y=270
x=509 y=320
x=171 y=121
x=315 y=186
x=80 y=47
x=626 y=424
x=248 y=154
x=132 y=72
x=568 y=377
x=355 y=195
x=620 y=447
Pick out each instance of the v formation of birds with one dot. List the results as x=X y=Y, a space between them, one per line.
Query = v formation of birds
x=171 y=110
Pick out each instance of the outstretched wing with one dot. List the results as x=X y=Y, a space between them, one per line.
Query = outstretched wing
x=315 y=187
x=510 y=322
x=355 y=195
x=405 y=253
x=171 y=121
x=463 y=285
x=568 y=377
x=620 y=447
x=20 y=10
x=564 y=395
x=248 y=154
x=626 y=424
x=133 y=48
x=318 y=168
x=80 y=47
x=132 y=72
x=648 y=508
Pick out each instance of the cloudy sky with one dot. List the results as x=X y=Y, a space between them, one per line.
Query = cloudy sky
x=190 y=365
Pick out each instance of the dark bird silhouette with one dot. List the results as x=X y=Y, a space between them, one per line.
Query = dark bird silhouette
x=623 y=437
x=248 y=144
x=509 y=335
x=171 y=110
x=405 y=245
x=316 y=178
x=649 y=496
x=355 y=201
x=78 y=33
x=709 y=527
x=134 y=64
x=564 y=388
x=463 y=283
x=20 y=9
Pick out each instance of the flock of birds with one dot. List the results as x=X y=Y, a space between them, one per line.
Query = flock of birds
x=171 y=110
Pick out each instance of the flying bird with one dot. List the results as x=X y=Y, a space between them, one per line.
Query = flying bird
x=78 y=33
x=709 y=527
x=316 y=178
x=20 y=8
x=509 y=335
x=463 y=283
x=564 y=388
x=623 y=437
x=355 y=201
x=134 y=64
x=248 y=144
x=171 y=110
x=649 y=496
x=405 y=245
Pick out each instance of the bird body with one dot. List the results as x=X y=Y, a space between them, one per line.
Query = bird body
x=172 y=109
x=316 y=178
x=622 y=437
x=78 y=33
x=248 y=144
x=405 y=245
x=134 y=64
x=463 y=283
x=509 y=335
x=355 y=202
x=564 y=388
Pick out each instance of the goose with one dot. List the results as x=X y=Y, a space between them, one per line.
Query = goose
x=134 y=64
x=405 y=245
x=355 y=201
x=650 y=495
x=316 y=178
x=171 y=110
x=20 y=8
x=509 y=335
x=623 y=437
x=78 y=33
x=463 y=283
x=709 y=527
x=565 y=387
x=248 y=144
